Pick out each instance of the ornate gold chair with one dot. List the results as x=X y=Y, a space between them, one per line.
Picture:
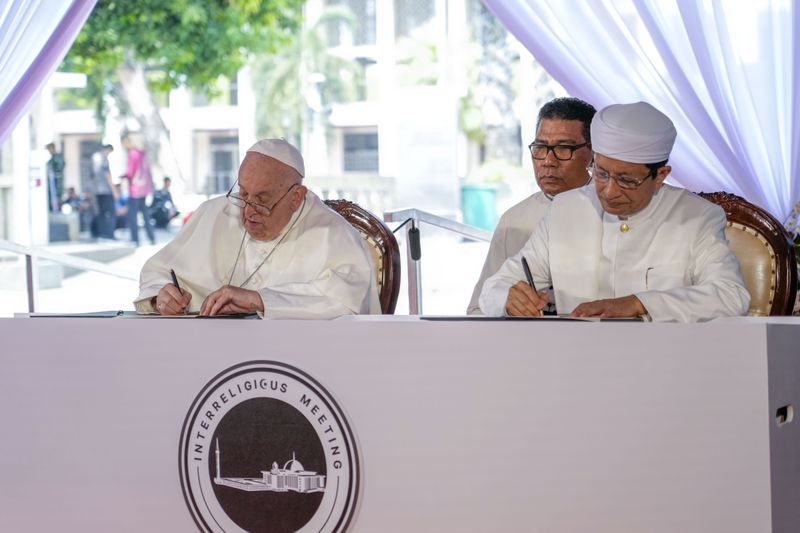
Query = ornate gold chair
x=383 y=246
x=765 y=253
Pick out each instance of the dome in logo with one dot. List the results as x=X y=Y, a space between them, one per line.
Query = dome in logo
x=293 y=466
x=247 y=422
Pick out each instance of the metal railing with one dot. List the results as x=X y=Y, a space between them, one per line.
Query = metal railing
x=416 y=216
x=32 y=254
x=414 y=267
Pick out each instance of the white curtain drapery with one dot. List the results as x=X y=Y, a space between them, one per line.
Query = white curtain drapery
x=35 y=35
x=727 y=74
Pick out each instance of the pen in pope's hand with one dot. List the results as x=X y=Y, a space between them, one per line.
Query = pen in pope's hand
x=175 y=280
x=528 y=276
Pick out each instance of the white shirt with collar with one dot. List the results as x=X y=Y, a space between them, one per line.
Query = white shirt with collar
x=512 y=232
x=672 y=255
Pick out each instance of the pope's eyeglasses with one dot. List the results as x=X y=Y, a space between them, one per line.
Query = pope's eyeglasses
x=238 y=201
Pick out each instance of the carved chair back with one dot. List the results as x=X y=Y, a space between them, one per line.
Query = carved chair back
x=383 y=246
x=765 y=253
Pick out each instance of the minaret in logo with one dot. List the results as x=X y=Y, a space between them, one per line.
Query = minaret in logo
x=292 y=477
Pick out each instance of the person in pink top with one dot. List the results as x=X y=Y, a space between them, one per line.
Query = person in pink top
x=140 y=185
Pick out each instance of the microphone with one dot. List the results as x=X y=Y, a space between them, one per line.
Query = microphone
x=414 y=246
x=414 y=243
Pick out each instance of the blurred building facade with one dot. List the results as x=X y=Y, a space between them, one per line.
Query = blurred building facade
x=401 y=143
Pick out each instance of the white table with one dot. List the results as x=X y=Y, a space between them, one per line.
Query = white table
x=461 y=426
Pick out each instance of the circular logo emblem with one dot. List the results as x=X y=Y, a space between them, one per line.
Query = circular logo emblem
x=265 y=447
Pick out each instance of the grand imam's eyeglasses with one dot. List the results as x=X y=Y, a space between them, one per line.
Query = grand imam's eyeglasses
x=563 y=152
x=238 y=201
x=624 y=182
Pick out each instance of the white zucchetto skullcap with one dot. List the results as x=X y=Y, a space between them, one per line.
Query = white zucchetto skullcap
x=635 y=133
x=282 y=151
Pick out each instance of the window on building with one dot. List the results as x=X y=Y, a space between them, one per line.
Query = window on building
x=363 y=32
x=411 y=14
x=87 y=149
x=223 y=164
x=360 y=152
x=233 y=92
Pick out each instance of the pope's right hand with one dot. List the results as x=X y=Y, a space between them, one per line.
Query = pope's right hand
x=524 y=301
x=172 y=301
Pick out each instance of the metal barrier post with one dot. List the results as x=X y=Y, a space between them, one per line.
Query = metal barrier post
x=30 y=283
x=414 y=268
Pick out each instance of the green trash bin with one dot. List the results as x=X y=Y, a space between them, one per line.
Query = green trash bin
x=478 y=204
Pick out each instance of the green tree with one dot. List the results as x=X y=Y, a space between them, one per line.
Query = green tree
x=132 y=49
x=304 y=77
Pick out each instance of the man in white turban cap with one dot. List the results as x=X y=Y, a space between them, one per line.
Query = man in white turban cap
x=627 y=245
x=629 y=138
x=269 y=246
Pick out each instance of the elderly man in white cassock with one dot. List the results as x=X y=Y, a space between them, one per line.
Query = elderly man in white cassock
x=269 y=246
x=627 y=245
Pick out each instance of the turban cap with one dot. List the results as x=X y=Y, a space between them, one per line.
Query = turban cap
x=635 y=133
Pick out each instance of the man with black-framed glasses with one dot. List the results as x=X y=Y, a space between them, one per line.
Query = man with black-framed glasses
x=269 y=246
x=560 y=153
x=629 y=245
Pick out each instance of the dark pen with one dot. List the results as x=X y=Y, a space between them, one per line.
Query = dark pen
x=175 y=280
x=528 y=276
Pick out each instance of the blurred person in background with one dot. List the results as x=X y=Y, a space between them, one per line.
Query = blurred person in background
x=103 y=189
x=140 y=185
x=55 y=178
x=120 y=206
x=162 y=208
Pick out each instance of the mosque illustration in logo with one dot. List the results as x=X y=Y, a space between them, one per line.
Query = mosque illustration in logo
x=292 y=477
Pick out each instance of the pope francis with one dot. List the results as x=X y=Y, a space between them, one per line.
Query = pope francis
x=628 y=244
x=269 y=246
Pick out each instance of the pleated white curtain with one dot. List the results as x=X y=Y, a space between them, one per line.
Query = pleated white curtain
x=35 y=35
x=726 y=72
